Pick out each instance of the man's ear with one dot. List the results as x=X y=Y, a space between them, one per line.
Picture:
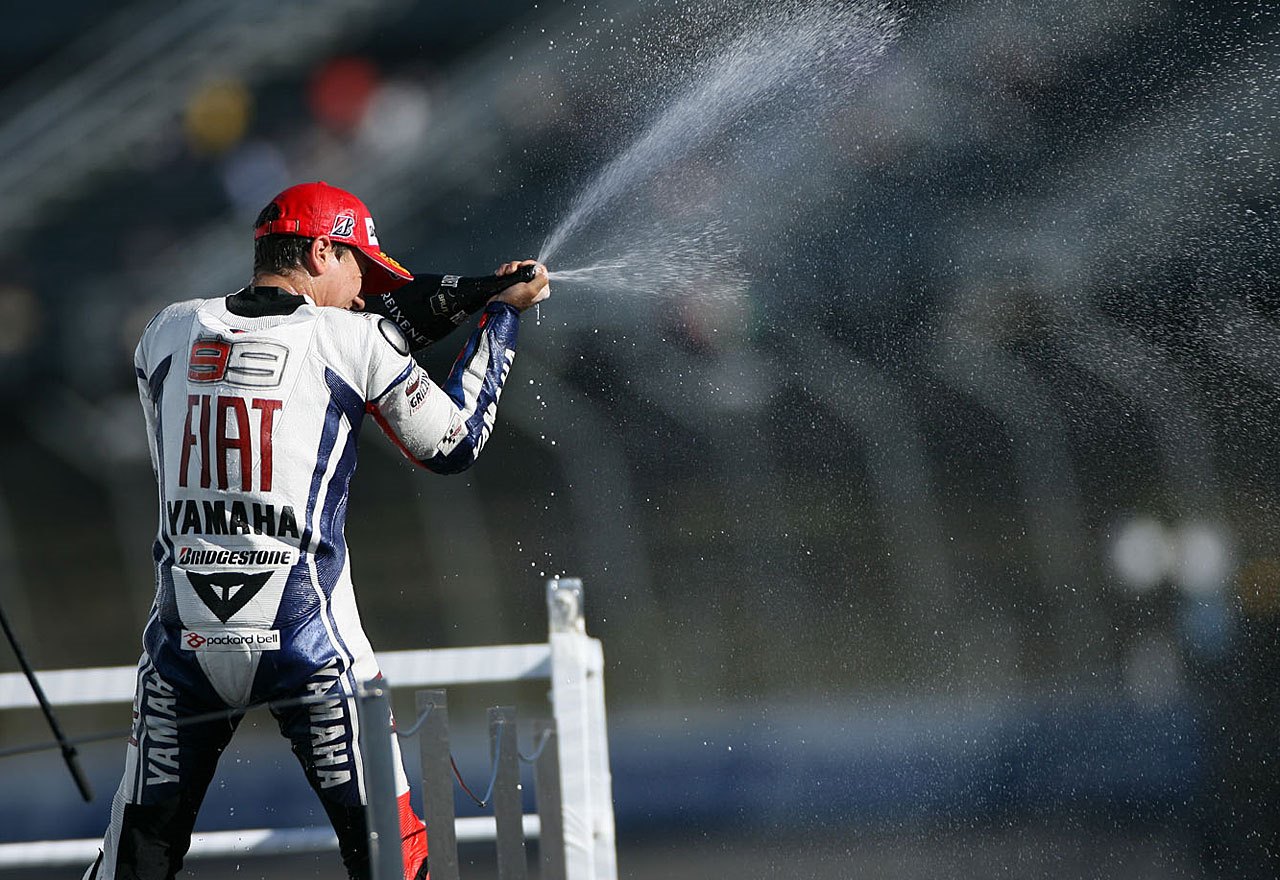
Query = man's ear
x=316 y=259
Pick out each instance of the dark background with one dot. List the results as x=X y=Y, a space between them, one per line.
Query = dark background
x=943 y=543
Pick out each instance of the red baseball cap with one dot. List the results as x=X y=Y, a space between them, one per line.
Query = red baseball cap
x=314 y=209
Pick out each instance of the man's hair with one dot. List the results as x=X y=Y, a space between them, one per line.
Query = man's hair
x=276 y=254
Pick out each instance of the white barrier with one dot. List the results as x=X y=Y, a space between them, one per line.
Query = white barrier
x=572 y=662
x=250 y=841
x=439 y=667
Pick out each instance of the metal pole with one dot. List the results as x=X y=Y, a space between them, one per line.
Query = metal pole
x=437 y=785
x=373 y=704
x=68 y=750
x=508 y=811
x=546 y=787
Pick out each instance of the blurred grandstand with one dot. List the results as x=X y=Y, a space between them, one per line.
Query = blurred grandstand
x=963 y=513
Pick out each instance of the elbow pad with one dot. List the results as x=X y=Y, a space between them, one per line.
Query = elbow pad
x=444 y=428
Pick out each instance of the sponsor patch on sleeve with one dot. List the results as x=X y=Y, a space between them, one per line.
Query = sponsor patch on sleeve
x=416 y=388
x=457 y=430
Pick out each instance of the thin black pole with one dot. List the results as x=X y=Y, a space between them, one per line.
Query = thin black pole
x=68 y=750
x=546 y=789
x=437 y=785
x=508 y=810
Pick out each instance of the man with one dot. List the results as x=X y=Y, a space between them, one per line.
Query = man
x=253 y=403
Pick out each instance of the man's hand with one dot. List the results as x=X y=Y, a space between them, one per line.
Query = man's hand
x=526 y=293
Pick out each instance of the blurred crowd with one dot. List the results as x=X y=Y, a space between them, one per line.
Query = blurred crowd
x=980 y=258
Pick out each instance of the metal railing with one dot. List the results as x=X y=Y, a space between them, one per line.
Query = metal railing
x=573 y=663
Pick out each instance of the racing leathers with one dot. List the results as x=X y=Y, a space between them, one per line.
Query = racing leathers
x=253 y=404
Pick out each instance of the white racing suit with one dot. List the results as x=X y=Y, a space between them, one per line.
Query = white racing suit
x=253 y=403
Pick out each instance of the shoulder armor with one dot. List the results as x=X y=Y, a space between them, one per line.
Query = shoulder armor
x=390 y=332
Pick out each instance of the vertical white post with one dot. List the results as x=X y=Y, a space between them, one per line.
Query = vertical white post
x=601 y=779
x=577 y=701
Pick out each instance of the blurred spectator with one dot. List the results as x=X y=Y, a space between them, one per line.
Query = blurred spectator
x=339 y=92
x=217 y=116
x=19 y=320
x=396 y=117
x=251 y=173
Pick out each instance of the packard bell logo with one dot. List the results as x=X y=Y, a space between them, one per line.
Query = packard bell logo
x=227 y=591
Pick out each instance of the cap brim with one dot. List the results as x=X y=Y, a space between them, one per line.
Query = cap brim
x=385 y=274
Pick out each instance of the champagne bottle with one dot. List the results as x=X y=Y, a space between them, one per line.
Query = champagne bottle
x=429 y=307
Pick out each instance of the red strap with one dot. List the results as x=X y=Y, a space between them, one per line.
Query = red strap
x=272 y=227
